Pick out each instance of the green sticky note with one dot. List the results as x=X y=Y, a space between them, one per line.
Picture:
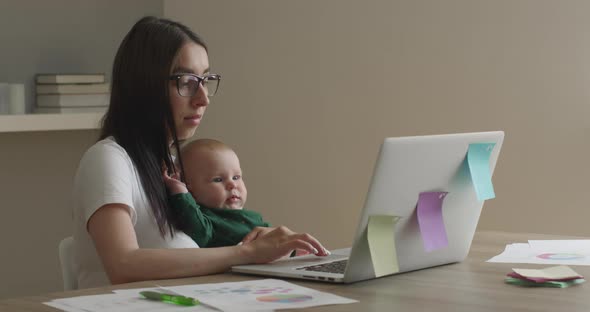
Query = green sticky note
x=381 y=240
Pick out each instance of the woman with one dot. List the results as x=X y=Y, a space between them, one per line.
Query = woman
x=124 y=230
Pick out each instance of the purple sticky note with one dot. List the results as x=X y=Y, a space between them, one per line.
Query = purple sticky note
x=430 y=220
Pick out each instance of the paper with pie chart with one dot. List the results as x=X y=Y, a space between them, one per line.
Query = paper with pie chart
x=258 y=295
x=565 y=252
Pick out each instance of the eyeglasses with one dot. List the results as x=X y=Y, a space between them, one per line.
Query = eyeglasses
x=188 y=84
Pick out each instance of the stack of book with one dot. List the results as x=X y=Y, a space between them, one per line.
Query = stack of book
x=71 y=93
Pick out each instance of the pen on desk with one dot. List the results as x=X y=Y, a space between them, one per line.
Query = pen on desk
x=176 y=299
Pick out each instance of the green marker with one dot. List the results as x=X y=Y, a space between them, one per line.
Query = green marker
x=176 y=299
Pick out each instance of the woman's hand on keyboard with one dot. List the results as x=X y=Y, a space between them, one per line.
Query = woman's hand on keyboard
x=269 y=244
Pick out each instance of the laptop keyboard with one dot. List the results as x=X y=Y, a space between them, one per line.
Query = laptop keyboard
x=337 y=267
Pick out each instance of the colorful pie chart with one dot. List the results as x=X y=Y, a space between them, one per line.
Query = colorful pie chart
x=560 y=256
x=287 y=298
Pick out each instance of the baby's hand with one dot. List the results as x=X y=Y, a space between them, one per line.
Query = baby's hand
x=173 y=183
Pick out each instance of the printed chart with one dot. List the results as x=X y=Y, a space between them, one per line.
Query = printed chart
x=565 y=252
x=256 y=295
x=561 y=256
x=276 y=294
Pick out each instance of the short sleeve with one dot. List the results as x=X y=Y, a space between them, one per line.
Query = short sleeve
x=105 y=175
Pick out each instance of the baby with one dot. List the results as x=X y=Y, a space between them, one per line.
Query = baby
x=213 y=216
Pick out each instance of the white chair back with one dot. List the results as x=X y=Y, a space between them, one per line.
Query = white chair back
x=66 y=259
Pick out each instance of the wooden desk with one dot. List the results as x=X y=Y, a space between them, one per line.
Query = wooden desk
x=472 y=285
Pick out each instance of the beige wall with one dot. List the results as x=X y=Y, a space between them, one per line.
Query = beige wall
x=310 y=88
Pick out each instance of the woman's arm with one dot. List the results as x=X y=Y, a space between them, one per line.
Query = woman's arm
x=116 y=244
x=112 y=231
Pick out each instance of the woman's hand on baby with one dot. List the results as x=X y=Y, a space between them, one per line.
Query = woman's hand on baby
x=269 y=244
x=173 y=183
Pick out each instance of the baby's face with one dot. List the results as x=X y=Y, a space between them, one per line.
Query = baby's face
x=215 y=179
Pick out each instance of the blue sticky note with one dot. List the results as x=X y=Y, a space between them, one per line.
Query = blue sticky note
x=478 y=159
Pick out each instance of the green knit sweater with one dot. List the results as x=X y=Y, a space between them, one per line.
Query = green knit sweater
x=214 y=227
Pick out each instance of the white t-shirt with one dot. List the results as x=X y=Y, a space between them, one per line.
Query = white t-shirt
x=106 y=175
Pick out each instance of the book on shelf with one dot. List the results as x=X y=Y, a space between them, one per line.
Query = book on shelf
x=69 y=78
x=82 y=88
x=70 y=110
x=73 y=100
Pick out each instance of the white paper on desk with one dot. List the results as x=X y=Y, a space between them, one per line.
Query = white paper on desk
x=523 y=253
x=127 y=302
x=63 y=307
x=258 y=295
x=561 y=246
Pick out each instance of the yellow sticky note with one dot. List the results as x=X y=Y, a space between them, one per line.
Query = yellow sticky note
x=381 y=239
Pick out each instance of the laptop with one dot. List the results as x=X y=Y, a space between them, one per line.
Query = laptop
x=405 y=167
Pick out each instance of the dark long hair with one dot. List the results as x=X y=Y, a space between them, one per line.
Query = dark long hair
x=139 y=116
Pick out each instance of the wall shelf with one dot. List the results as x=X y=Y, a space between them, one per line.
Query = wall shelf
x=49 y=122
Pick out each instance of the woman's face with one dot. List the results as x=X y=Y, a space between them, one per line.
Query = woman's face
x=188 y=111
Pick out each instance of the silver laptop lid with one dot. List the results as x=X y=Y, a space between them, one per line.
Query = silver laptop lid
x=407 y=166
